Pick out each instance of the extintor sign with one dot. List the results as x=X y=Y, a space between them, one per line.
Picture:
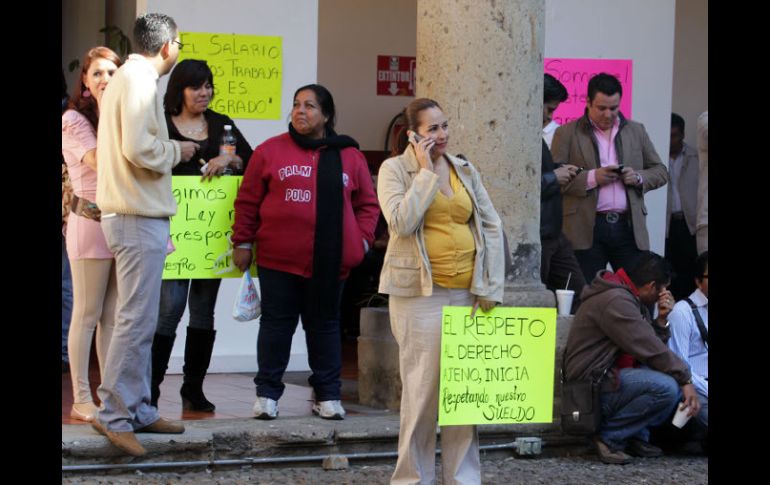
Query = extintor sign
x=395 y=75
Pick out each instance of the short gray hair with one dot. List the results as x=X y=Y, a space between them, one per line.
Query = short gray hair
x=152 y=30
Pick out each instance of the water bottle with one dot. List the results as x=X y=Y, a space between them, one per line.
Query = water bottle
x=227 y=147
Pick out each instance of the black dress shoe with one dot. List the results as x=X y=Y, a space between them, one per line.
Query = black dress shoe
x=642 y=449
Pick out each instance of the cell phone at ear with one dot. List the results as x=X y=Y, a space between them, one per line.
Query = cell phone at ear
x=413 y=137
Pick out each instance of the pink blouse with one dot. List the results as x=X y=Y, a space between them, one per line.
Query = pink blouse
x=85 y=239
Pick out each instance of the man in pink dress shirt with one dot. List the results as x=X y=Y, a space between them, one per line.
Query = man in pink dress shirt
x=604 y=211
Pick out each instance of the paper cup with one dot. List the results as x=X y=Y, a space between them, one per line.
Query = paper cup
x=681 y=417
x=564 y=301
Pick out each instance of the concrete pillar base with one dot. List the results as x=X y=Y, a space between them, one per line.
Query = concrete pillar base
x=534 y=294
x=379 y=381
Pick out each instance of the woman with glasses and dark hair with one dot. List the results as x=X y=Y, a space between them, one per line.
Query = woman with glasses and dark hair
x=91 y=262
x=188 y=117
x=308 y=205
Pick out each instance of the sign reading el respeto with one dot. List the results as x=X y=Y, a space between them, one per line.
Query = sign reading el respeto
x=497 y=367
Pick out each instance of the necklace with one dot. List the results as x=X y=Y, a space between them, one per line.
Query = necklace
x=195 y=131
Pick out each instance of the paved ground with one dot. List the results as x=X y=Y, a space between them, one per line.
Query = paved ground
x=497 y=470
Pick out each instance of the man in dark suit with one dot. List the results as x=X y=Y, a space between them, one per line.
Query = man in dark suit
x=557 y=262
x=681 y=210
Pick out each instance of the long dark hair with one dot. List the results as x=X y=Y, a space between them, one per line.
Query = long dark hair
x=190 y=73
x=326 y=101
x=410 y=113
x=86 y=105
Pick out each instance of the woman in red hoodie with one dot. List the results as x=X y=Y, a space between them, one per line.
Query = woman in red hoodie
x=307 y=203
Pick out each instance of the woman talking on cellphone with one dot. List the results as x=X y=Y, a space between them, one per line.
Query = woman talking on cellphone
x=445 y=248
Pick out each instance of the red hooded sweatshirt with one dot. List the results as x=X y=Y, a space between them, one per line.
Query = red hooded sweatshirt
x=621 y=278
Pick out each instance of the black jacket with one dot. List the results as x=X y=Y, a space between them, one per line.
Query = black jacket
x=209 y=147
x=550 y=198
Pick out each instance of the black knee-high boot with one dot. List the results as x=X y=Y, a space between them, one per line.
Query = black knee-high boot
x=161 y=352
x=197 y=356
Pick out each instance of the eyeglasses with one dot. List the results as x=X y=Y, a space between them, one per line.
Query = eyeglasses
x=181 y=46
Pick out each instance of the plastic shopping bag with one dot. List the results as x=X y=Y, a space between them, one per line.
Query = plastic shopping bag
x=247 y=304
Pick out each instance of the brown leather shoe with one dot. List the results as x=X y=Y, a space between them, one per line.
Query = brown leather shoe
x=125 y=440
x=162 y=425
x=608 y=456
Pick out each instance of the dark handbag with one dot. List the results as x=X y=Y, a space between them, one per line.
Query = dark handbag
x=580 y=408
x=581 y=411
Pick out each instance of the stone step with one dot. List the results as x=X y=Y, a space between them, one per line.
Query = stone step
x=244 y=438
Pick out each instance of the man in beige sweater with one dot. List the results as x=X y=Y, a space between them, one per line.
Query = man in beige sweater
x=133 y=191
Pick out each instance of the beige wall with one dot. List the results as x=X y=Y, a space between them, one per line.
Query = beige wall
x=691 y=64
x=351 y=34
x=123 y=13
x=80 y=24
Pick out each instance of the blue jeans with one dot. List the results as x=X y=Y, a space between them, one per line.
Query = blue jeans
x=645 y=398
x=66 y=299
x=285 y=297
x=613 y=243
x=174 y=297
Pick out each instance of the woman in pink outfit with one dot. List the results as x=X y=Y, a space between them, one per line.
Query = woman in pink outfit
x=93 y=269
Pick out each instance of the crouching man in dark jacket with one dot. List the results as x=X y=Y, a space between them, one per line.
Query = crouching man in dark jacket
x=614 y=331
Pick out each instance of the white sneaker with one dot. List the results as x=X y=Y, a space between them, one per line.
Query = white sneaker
x=265 y=408
x=329 y=409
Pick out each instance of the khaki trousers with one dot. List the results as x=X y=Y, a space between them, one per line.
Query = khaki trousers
x=416 y=325
x=139 y=246
x=95 y=292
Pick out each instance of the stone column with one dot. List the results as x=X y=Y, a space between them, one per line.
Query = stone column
x=483 y=62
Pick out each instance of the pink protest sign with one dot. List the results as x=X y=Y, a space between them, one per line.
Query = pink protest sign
x=575 y=74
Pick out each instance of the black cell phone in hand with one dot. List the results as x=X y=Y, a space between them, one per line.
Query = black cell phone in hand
x=619 y=170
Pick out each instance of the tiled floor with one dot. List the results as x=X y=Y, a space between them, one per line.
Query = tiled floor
x=234 y=394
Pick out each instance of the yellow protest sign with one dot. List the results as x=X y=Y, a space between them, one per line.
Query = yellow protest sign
x=247 y=72
x=201 y=228
x=498 y=366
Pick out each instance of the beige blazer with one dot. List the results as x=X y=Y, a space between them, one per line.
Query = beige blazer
x=702 y=224
x=688 y=189
x=574 y=143
x=405 y=192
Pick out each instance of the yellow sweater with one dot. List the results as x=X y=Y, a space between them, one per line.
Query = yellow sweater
x=448 y=237
x=133 y=151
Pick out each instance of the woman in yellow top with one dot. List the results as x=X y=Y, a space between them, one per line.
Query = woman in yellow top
x=445 y=248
